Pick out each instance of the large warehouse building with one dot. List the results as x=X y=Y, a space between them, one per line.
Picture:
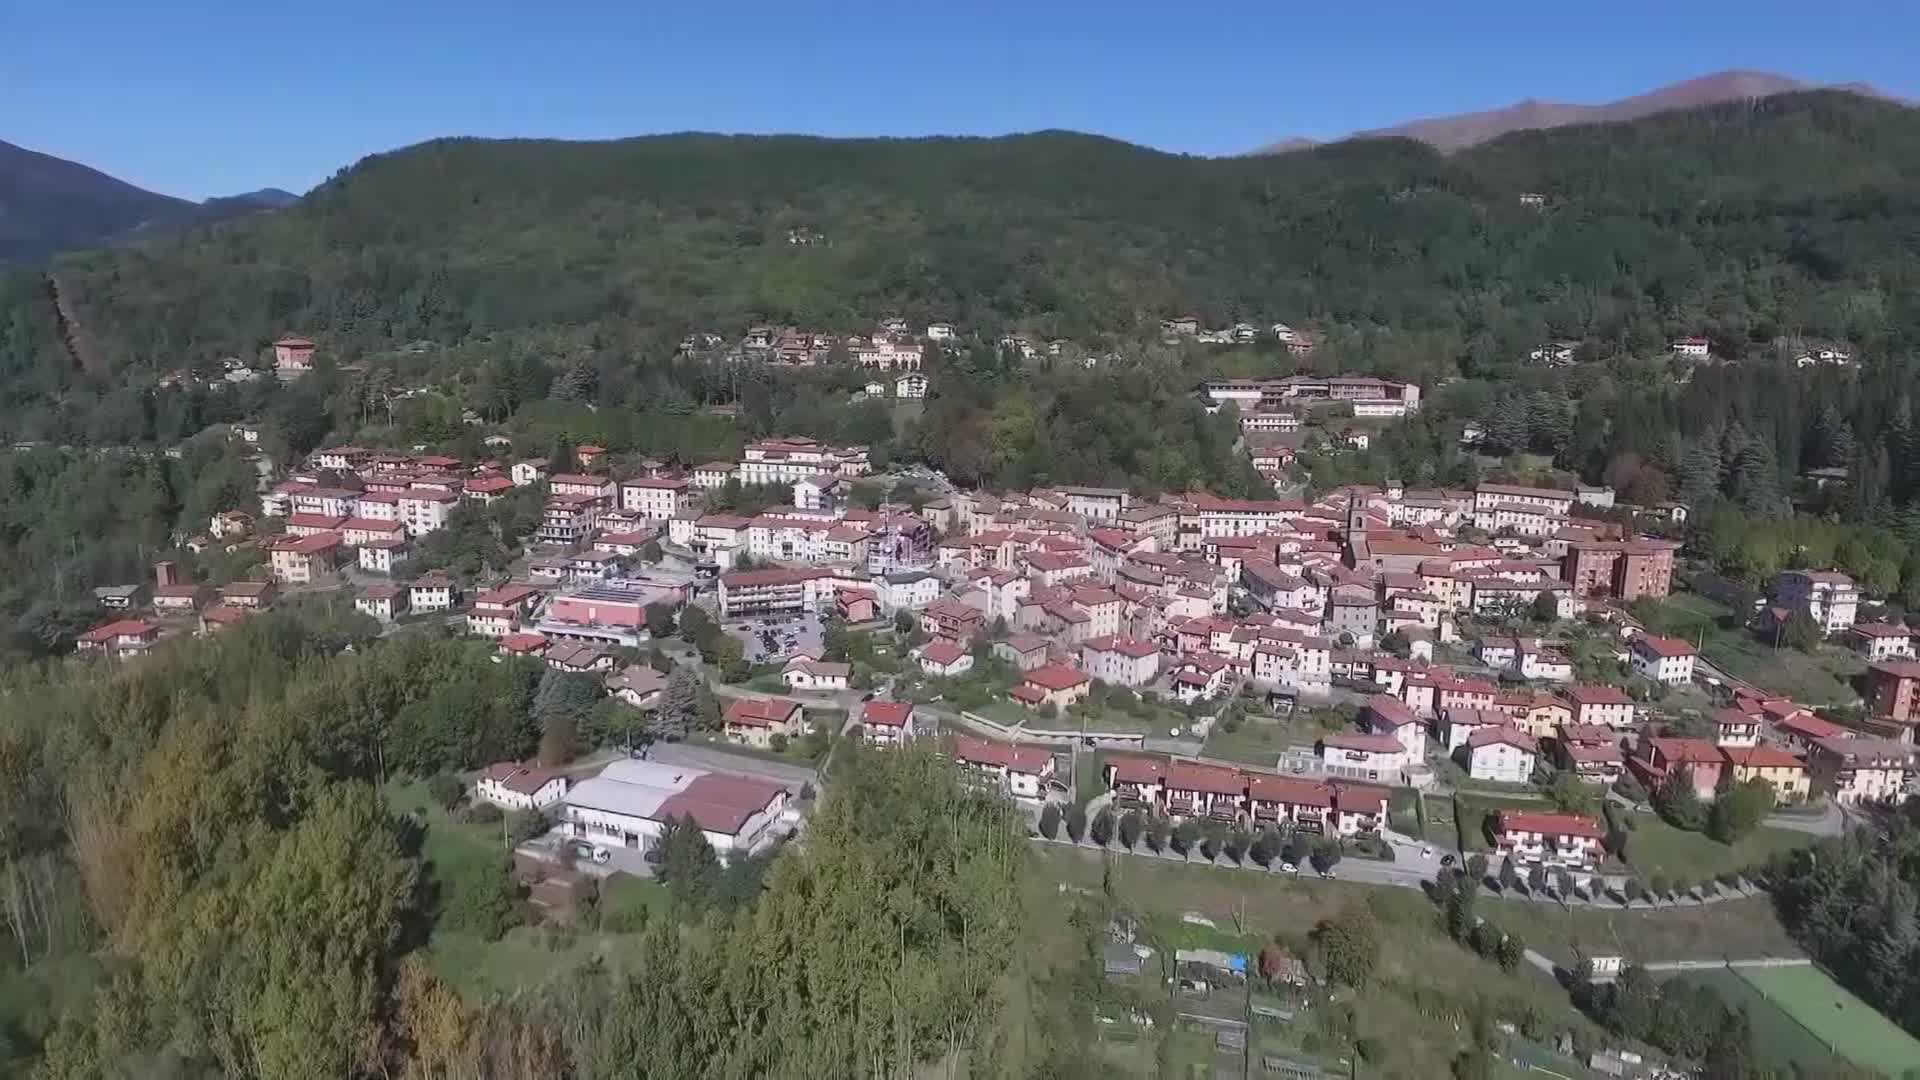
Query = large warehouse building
x=630 y=803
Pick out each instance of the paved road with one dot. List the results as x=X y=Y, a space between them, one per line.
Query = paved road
x=709 y=757
x=1831 y=822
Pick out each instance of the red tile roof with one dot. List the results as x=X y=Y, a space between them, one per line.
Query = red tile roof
x=761 y=712
x=1664 y=647
x=1021 y=759
x=887 y=713
x=1550 y=824
x=1055 y=677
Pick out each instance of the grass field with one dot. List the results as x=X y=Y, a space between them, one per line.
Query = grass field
x=1729 y=930
x=1470 y=810
x=1835 y=1017
x=1778 y=1041
x=1257 y=742
x=1815 y=679
x=1655 y=847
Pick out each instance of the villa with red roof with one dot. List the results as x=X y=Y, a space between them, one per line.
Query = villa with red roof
x=1661 y=659
x=1054 y=684
x=118 y=639
x=514 y=785
x=1570 y=841
x=886 y=723
x=755 y=721
x=1020 y=771
x=945 y=659
x=1599 y=705
x=1655 y=760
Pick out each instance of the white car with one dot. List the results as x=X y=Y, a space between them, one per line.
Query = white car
x=1291 y=868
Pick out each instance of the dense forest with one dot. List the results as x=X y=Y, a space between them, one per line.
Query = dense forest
x=229 y=891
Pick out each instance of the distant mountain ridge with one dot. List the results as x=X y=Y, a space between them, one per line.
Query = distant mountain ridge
x=1458 y=132
x=49 y=205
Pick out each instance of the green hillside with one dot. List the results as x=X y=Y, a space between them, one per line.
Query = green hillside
x=1785 y=215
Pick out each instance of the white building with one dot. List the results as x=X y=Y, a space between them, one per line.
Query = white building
x=1122 y=661
x=653 y=498
x=806 y=673
x=515 y=786
x=1661 y=659
x=912 y=385
x=1501 y=754
x=629 y=804
x=1828 y=597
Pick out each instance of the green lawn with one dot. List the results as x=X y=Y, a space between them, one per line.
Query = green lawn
x=1470 y=810
x=1819 y=678
x=1256 y=742
x=1778 y=1041
x=1835 y=1017
x=1655 y=847
x=1006 y=712
x=1732 y=929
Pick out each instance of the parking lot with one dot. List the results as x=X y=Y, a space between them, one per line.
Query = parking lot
x=786 y=634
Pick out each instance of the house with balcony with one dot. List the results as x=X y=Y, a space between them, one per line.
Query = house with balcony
x=1565 y=841
x=1878 y=641
x=1593 y=706
x=886 y=724
x=1387 y=715
x=1196 y=789
x=1828 y=597
x=1785 y=771
x=1380 y=758
x=1016 y=770
x=1698 y=761
x=515 y=785
x=1137 y=783
x=1502 y=754
x=1859 y=770
x=1288 y=802
x=1731 y=727
x=1661 y=659
x=755 y=721
x=1054 y=684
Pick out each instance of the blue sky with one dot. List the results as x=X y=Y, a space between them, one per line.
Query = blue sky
x=210 y=97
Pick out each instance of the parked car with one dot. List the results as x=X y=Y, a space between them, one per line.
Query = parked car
x=583 y=850
x=1290 y=868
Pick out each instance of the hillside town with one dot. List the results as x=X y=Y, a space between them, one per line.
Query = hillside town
x=1450 y=636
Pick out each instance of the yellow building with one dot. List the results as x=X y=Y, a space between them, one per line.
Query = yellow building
x=1787 y=773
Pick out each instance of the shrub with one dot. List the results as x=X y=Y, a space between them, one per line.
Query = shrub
x=1077 y=824
x=1050 y=821
x=777 y=743
x=1184 y=835
x=1130 y=829
x=446 y=790
x=480 y=813
x=1102 y=828
x=524 y=825
x=1157 y=834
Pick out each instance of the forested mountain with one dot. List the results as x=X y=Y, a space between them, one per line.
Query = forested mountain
x=49 y=205
x=1787 y=214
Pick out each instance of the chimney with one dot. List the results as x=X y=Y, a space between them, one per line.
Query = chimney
x=165 y=574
